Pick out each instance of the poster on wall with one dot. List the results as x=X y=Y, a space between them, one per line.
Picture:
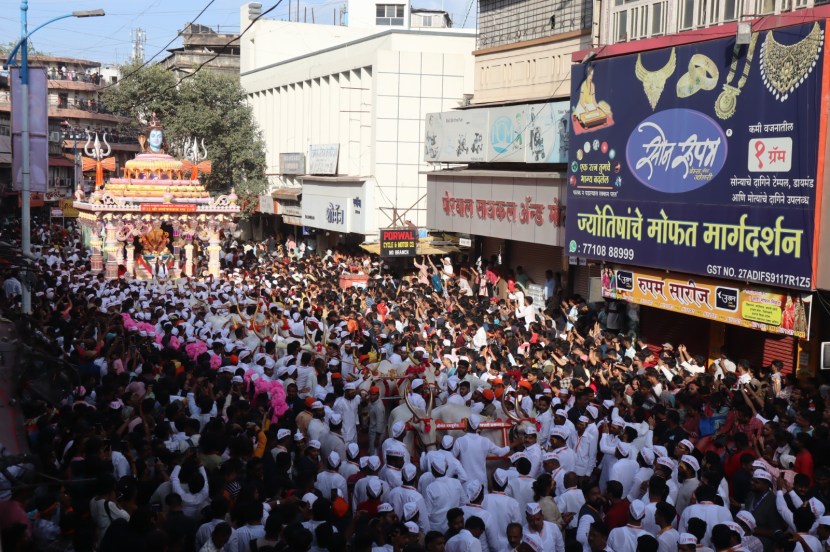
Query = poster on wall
x=746 y=305
x=701 y=158
x=456 y=136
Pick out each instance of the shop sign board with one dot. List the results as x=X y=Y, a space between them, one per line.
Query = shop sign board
x=322 y=158
x=292 y=163
x=520 y=209
x=701 y=158
x=398 y=242
x=537 y=291
x=168 y=208
x=67 y=206
x=747 y=305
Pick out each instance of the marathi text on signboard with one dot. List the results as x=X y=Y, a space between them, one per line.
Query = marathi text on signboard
x=779 y=312
x=398 y=242
x=292 y=163
x=684 y=158
x=529 y=210
x=322 y=158
x=167 y=208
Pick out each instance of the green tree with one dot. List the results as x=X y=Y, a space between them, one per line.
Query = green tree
x=206 y=106
x=6 y=49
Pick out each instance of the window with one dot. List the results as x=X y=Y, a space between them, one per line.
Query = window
x=389 y=14
x=426 y=21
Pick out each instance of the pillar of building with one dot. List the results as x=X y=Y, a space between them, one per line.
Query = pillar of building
x=96 y=259
x=188 y=259
x=213 y=253
x=111 y=247
x=130 y=262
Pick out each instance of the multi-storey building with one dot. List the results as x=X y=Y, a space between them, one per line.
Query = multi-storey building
x=75 y=89
x=202 y=46
x=342 y=111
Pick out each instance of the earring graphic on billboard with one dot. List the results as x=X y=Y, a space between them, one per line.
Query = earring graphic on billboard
x=655 y=81
x=728 y=99
x=702 y=75
x=785 y=67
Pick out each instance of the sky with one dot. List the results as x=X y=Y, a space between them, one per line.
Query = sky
x=108 y=39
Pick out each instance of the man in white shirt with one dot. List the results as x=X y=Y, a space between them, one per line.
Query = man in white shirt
x=347 y=407
x=504 y=509
x=572 y=499
x=194 y=499
x=490 y=538
x=527 y=312
x=625 y=538
x=547 y=532
x=472 y=450
x=705 y=509
x=667 y=536
x=441 y=495
x=625 y=467
x=467 y=540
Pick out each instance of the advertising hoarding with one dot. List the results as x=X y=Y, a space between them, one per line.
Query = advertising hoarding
x=746 y=305
x=701 y=158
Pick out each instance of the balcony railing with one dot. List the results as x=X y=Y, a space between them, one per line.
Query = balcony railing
x=73 y=76
x=502 y=22
x=626 y=20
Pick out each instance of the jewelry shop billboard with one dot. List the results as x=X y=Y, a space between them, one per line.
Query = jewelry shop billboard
x=701 y=158
x=750 y=306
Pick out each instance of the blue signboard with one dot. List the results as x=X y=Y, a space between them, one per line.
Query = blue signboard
x=700 y=158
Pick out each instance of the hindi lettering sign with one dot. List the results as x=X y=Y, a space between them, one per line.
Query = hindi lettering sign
x=322 y=158
x=696 y=168
x=167 y=208
x=398 y=242
x=749 y=306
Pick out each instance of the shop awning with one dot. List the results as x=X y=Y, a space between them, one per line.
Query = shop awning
x=60 y=162
x=426 y=246
x=290 y=194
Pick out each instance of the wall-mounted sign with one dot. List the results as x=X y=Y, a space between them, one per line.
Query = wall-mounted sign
x=520 y=209
x=750 y=306
x=524 y=133
x=167 y=208
x=398 y=242
x=322 y=158
x=292 y=163
x=701 y=158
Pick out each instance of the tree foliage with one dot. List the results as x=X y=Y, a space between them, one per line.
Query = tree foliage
x=207 y=106
x=6 y=49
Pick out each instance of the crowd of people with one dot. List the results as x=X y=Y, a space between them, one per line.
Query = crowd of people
x=270 y=409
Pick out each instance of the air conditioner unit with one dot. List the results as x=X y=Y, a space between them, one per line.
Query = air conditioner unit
x=55 y=136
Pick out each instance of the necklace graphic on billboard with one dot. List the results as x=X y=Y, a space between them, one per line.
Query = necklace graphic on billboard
x=728 y=99
x=655 y=81
x=785 y=67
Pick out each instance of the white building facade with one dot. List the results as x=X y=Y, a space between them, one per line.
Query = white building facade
x=342 y=112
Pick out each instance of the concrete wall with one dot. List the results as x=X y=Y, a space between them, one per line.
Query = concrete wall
x=369 y=95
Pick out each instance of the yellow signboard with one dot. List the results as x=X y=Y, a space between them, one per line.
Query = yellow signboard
x=69 y=211
x=774 y=311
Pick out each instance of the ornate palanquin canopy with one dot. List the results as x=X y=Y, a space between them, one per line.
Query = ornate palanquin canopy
x=156 y=192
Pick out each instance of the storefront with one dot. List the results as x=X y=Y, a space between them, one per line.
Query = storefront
x=708 y=315
x=340 y=209
x=515 y=215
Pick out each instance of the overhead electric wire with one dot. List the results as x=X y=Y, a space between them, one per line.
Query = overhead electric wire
x=143 y=65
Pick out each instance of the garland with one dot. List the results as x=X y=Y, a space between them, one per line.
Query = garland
x=274 y=390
